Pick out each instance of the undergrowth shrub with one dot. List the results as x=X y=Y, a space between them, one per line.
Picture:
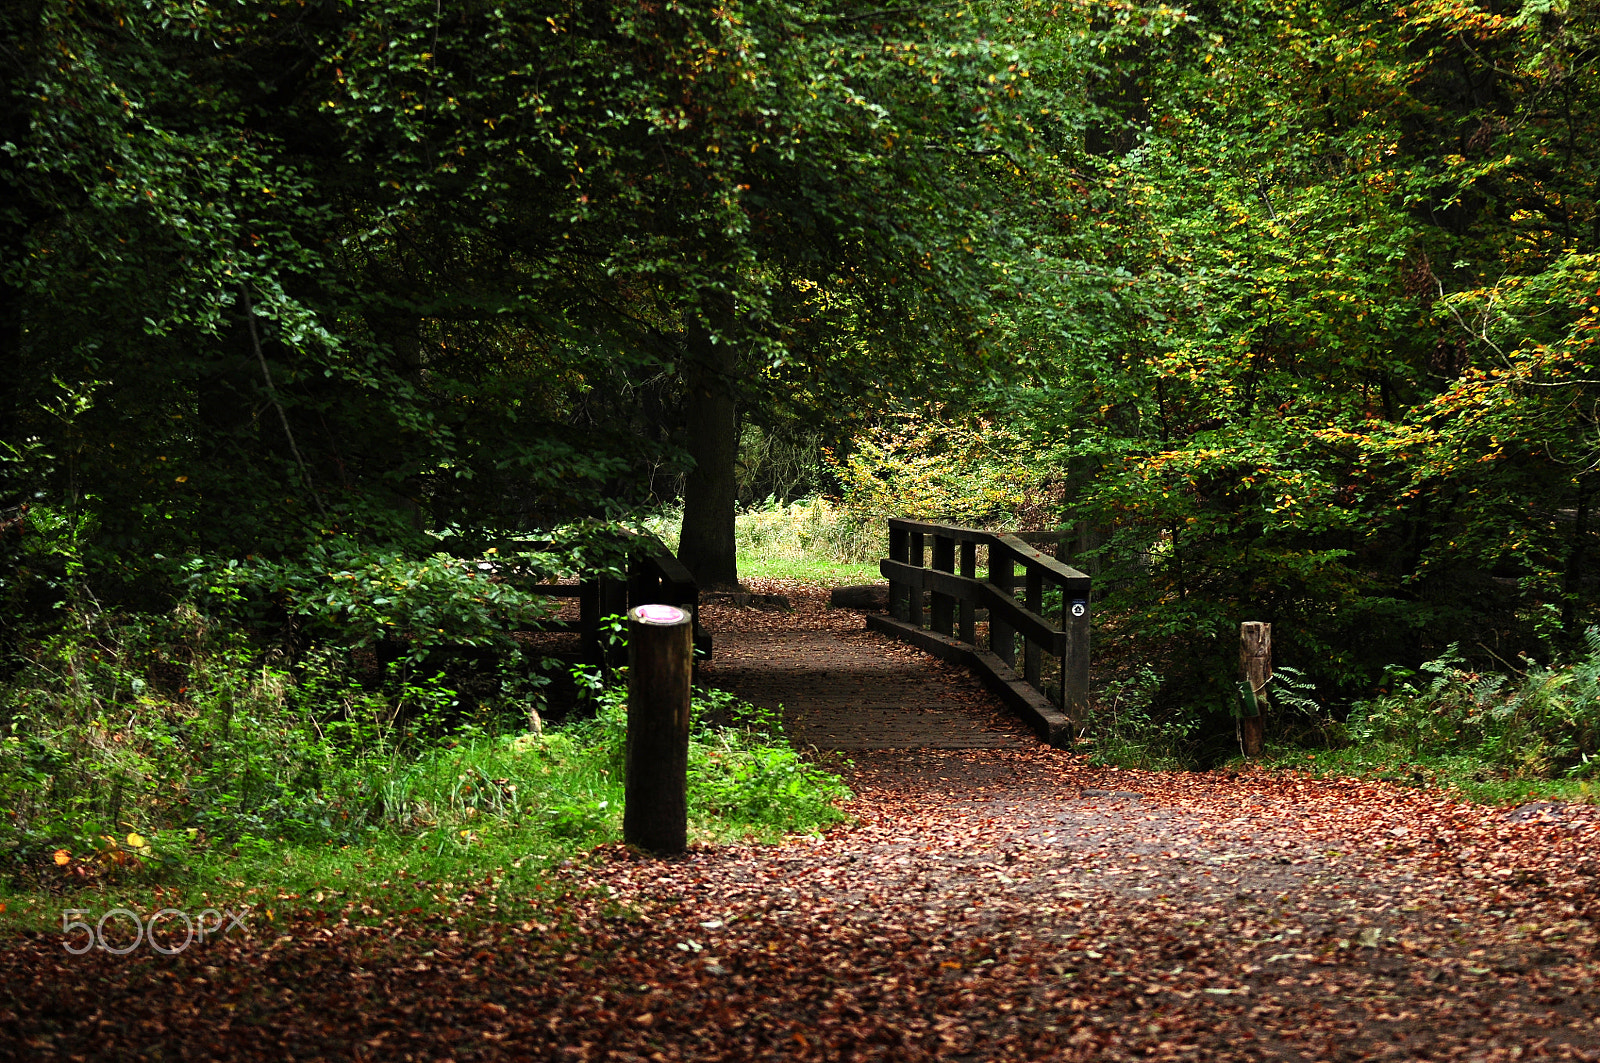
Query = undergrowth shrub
x=1542 y=722
x=136 y=743
x=744 y=776
x=914 y=464
x=143 y=724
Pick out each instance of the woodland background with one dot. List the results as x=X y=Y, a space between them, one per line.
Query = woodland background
x=318 y=318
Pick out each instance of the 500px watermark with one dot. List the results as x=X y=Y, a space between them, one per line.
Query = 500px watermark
x=144 y=930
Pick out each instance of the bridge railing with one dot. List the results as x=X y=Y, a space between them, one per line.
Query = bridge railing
x=942 y=560
x=655 y=576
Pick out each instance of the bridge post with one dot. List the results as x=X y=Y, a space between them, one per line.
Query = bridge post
x=969 y=569
x=1075 y=662
x=1255 y=667
x=1002 y=637
x=899 y=550
x=611 y=600
x=944 y=559
x=589 y=621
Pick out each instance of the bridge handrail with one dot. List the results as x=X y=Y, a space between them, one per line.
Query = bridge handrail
x=655 y=576
x=957 y=595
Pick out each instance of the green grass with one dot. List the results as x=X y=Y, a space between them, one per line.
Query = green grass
x=809 y=569
x=1466 y=776
x=462 y=831
x=501 y=872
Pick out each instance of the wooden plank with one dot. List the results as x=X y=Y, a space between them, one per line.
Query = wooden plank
x=589 y=622
x=1022 y=619
x=957 y=532
x=1074 y=582
x=914 y=558
x=899 y=550
x=672 y=570
x=1021 y=551
x=1075 y=662
x=1002 y=635
x=1051 y=725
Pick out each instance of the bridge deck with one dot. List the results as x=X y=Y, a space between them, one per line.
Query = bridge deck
x=841 y=687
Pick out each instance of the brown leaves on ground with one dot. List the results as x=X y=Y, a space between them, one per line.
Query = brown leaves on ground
x=987 y=905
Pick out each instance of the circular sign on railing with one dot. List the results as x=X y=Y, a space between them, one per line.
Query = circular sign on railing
x=1079 y=608
x=665 y=615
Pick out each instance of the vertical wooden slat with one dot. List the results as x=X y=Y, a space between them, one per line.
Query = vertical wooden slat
x=644 y=581
x=944 y=559
x=611 y=600
x=1065 y=623
x=969 y=569
x=915 y=557
x=1002 y=639
x=899 y=550
x=1030 y=649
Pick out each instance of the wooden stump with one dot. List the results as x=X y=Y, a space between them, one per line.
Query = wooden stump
x=655 y=816
x=1255 y=668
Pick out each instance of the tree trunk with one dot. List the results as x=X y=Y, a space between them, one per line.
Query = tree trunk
x=21 y=27
x=1572 y=580
x=706 y=547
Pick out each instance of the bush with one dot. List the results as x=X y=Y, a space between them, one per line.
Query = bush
x=128 y=741
x=915 y=465
x=1543 y=722
x=744 y=777
x=158 y=724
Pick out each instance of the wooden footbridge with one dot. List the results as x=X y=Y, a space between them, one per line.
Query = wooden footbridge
x=1019 y=628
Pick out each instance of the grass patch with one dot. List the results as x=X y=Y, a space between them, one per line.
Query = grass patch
x=810 y=570
x=1461 y=774
x=186 y=773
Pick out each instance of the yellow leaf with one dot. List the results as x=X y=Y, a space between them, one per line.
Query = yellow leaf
x=135 y=841
x=63 y=857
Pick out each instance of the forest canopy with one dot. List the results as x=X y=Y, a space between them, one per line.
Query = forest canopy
x=1287 y=310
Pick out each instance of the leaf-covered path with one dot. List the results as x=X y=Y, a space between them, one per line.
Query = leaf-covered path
x=841 y=687
x=988 y=904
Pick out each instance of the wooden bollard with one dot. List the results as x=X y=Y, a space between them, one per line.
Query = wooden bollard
x=1255 y=668
x=655 y=815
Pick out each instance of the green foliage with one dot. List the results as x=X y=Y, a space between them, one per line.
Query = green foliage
x=367 y=269
x=169 y=723
x=174 y=731
x=1543 y=723
x=743 y=775
x=350 y=596
x=917 y=464
x=1317 y=347
x=1132 y=731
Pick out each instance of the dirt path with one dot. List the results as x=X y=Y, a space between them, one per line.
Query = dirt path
x=989 y=904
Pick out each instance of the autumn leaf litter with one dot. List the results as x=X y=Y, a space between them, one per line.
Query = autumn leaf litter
x=985 y=904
